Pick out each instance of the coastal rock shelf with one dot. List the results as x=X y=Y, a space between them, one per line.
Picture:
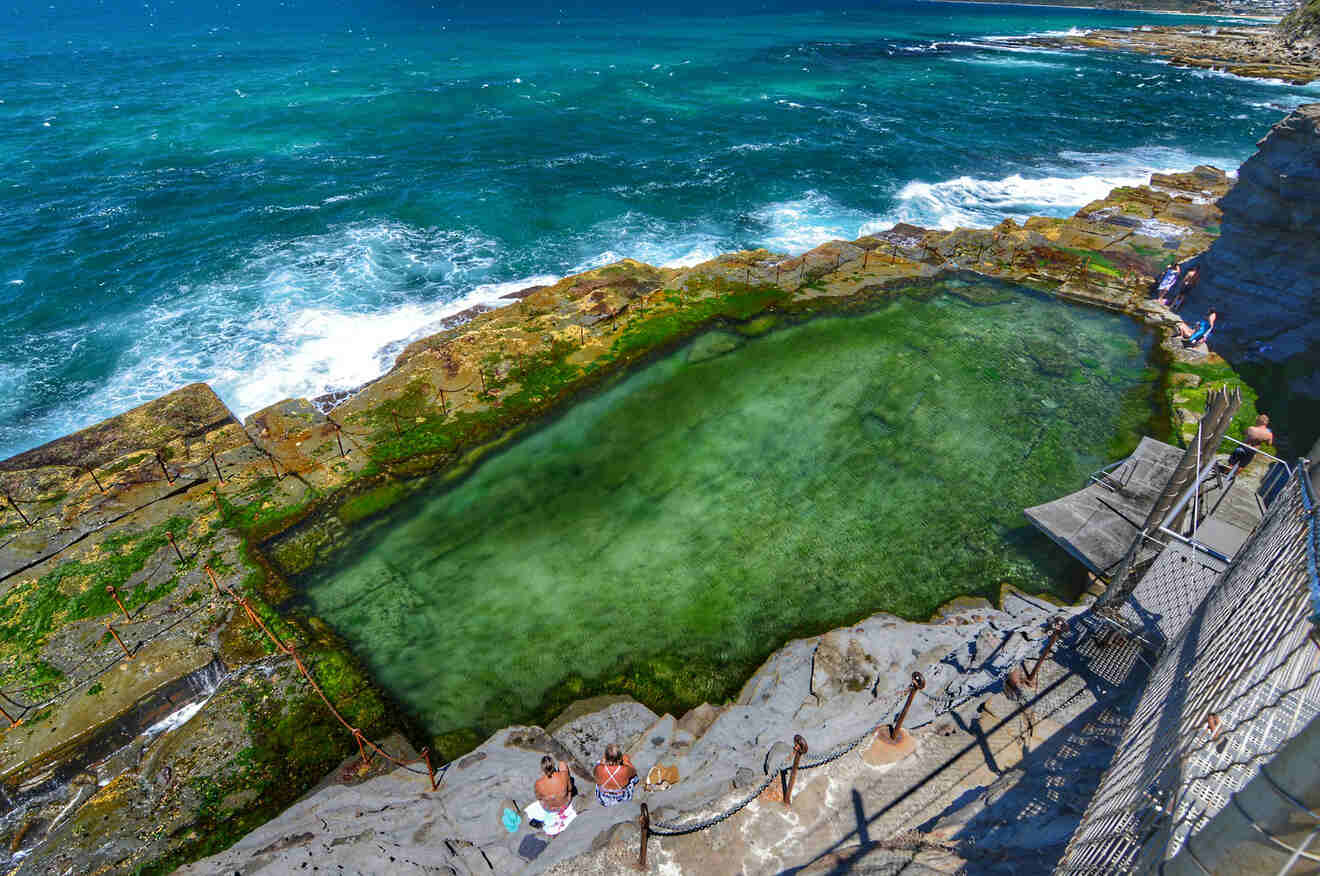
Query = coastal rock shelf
x=1256 y=52
x=89 y=786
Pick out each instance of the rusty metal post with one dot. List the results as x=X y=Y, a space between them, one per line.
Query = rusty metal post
x=918 y=683
x=161 y=460
x=8 y=717
x=169 y=536
x=444 y=409
x=430 y=770
x=211 y=575
x=394 y=415
x=799 y=749
x=95 y=479
x=866 y=259
x=218 y=474
x=14 y=505
x=111 y=630
x=114 y=594
x=582 y=336
x=1057 y=628
x=338 y=428
x=778 y=268
x=644 y=822
x=362 y=751
x=481 y=372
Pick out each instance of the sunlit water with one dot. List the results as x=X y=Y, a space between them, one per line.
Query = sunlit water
x=271 y=200
x=665 y=535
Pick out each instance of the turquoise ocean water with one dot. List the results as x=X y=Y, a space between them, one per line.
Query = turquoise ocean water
x=274 y=203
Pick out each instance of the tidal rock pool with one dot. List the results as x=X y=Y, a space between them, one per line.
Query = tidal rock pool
x=663 y=536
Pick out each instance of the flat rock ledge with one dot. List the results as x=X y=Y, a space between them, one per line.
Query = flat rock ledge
x=830 y=689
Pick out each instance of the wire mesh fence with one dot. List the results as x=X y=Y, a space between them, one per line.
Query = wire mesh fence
x=1238 y=681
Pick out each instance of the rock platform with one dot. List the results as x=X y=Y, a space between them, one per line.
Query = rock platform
x=1262 y=52
x=182 y=510
x=957 y=797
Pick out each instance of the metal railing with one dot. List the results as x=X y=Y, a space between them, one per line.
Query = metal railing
x=1236 y=684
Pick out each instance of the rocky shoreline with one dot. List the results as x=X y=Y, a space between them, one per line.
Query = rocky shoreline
x=1255 y=52
x=168 y=507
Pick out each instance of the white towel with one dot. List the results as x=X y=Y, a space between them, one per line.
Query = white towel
x=554 y=823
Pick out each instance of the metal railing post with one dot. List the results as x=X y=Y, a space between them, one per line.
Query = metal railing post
x=163 y=468
x=799 y=749
x=918 y=683
x=111 y=630
x=1057 y=628
x=644 y=822
x=169 y=536
x=114 y=594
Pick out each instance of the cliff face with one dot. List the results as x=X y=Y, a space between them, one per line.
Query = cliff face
x=1303 y=23
x=1263 y=273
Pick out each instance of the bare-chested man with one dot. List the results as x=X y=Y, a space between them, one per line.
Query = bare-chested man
x=1257 y=434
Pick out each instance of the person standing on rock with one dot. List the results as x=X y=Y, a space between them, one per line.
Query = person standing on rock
x=1167 y=282
x=554 y=789
x=1188 y=282
x=615 y=777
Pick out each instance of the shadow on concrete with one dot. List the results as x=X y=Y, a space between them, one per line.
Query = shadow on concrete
x=1041 y=800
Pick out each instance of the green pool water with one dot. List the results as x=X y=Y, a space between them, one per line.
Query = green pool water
x=664 y=536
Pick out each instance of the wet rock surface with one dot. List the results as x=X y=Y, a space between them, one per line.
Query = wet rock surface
x=1263 y=52
x=249 y=504
x=956 y=800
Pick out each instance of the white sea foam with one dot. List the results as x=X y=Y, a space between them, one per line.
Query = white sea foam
x=1055 y=189
x=802 y=223
x=636 y=236
x=305 y=316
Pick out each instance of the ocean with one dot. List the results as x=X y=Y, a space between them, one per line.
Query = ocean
x=276 y=201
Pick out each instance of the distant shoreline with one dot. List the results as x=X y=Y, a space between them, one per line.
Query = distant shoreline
x=1261 y=18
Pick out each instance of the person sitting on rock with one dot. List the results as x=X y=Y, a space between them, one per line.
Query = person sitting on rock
x=1167 y=282
x=1257 y=434
x=1193 y=336
x=615 y=777
x=554 y=789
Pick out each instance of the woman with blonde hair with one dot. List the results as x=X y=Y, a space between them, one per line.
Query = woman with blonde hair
x=615 y=777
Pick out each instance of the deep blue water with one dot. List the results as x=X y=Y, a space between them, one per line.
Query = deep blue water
x=272 y=200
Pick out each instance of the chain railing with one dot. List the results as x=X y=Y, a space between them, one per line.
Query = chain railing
x=17 y=705
x=1231 y=689
x=892 y=711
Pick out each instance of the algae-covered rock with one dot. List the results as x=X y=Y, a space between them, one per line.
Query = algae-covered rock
x=712 y=345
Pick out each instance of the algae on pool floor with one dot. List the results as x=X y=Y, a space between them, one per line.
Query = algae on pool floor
x=664 y=536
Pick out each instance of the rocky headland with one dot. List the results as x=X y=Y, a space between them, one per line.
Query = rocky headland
x=1263 y=52
x=163 y=706
x=1263 y=274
